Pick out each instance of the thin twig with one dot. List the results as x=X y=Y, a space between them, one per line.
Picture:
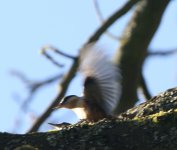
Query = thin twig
x=71 y=73
x=101 y=19
x=107 y=23
x=33 y=86
x=162 y=53
x=63 y=88
x=57 y=51
x=38 y=84
x=144 y=88
x=52 y=60
x=20 y=76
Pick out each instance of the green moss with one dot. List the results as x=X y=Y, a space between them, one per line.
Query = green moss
x=53 y=130
x=159 y=117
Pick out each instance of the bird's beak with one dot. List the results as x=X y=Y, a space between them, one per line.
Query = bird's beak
x=57 y=107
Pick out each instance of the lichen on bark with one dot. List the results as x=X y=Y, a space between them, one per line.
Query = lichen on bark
x=151 y=125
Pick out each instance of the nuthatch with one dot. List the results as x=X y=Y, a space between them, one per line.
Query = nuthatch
x=60 y=125
x=102 y=87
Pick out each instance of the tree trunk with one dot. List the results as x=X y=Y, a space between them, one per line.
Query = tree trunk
x=133 y=49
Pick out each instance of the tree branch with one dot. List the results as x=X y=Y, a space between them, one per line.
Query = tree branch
x=112 y=19
x=144 y=88
x=69 y=76
x=162 y=53
x=57 y=51
x=33 y=86
x=52 y=60
x=63 y=87
x=148 y=126
x=133 y=47
x=101 y=19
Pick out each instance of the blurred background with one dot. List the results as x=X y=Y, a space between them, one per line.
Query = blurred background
x=27 y=26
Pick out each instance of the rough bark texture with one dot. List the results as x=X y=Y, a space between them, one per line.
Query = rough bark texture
x=149 y=126
x=133 y=49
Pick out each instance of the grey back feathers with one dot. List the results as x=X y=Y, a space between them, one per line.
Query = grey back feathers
x=94 y=64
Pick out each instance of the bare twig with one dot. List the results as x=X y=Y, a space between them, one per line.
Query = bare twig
x=144 y=88
x=52 y=60
x=57 y=51
x=36 y=85
x=162 y=53
x=101 y=19
x=33 y=86
x=107 y=23
x=20 y=76
x=63 y=87
x=98 y=12
x=69 y=76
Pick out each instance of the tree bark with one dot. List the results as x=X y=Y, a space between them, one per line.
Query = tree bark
x=133 y=49
x=149 y=126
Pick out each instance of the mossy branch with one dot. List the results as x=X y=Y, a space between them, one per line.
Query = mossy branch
x=151 y=125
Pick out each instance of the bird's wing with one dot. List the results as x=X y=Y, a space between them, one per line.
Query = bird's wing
x=101 y=78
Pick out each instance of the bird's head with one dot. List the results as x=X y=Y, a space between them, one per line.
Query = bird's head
x=70 y=102
x=74 y=103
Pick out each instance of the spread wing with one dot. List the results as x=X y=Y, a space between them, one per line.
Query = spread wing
x=101 y=78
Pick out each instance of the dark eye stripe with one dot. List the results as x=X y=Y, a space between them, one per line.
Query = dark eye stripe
x=65 y=99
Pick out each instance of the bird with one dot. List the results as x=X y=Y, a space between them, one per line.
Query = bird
x=102 y=86
x=60 y=125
